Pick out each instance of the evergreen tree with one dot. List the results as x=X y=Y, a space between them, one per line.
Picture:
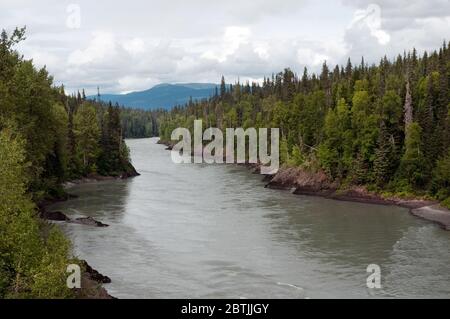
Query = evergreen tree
x=384 y=124
x=413 y=164
x=73 y=162
x=441 y=179
x=223 y=87
x=88 y=136
x=384 y=157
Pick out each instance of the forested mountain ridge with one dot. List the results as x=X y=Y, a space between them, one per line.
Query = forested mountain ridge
x=384 y=126
x=163 y=96
x=46 y=138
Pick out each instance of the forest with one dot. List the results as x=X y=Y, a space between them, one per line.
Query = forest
x=46 y=138
x=137 y=123
x=384 y=126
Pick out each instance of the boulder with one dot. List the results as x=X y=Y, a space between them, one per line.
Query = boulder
x=54 y=216
x=94 y=274
x=129 y=172
x=89 y=221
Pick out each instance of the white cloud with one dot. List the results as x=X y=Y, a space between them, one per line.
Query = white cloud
x=130 y=83
x=124 y=46
x=382 y=27
x=102 y=45
x=262 y=49
x=233 y=38
x=135 y=46
x=371 y=18
x=309 y=57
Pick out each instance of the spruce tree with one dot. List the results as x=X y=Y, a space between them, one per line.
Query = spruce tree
x=223 y=87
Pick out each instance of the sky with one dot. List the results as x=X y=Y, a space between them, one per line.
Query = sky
x=124 y=46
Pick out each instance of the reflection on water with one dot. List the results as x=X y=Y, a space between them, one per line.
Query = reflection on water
x=203 y=231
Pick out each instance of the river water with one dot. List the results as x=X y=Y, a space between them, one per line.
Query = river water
x=214 y=231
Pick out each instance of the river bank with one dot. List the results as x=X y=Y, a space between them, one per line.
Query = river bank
x=249 y=242
x=301 y=182
x=91 y=280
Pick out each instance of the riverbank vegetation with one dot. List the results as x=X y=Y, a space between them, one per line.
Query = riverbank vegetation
x=385 y=126
x=46 y=138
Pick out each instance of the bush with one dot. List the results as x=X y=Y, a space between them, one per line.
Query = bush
x=446 y=203
x=441 y=178
x=33 y=254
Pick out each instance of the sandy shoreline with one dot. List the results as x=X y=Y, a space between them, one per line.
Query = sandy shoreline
x=435 y=213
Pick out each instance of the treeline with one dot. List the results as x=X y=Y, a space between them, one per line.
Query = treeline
x=139 y=123
x=94 y=143
x=386 y=126
x=46 y=138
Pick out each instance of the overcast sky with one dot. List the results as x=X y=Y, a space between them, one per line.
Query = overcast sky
x=132 y=45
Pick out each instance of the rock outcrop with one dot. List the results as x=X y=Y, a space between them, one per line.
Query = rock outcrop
x=91 y=284
x=53 y=216
x=89 y=221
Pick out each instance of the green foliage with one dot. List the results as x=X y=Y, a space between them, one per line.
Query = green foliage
x=113 y=159
x=284 y=151
x=87 y=132
x=31 y=265
x=446 y=203
x=349 y=122
x=140 y=123
x=365 y=124
x=329 y=151
x=297 y=158
x=413 y=164
x=65 y=137
x=391 y=109
x=441 y=178
x=384 y=157
x=335 y=153
x=46 y=137
x=311 y=115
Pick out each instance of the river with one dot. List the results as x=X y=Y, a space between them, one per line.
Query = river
x=214 y=231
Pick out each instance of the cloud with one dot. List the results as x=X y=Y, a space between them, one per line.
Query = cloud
x=135 y=46
x=102 y=45
x=124 y=46
x=234 y=37
x=371 y=18
x=381 y=27
x=309 y=57
x=406 y=8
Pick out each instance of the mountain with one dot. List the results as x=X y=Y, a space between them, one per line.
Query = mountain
x=162 y=96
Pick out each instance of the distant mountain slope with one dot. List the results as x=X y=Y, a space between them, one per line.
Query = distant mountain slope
x=162 y=96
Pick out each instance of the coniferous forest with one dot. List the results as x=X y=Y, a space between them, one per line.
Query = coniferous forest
x=46 y=138
x=138 y=123
x=384 y=126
